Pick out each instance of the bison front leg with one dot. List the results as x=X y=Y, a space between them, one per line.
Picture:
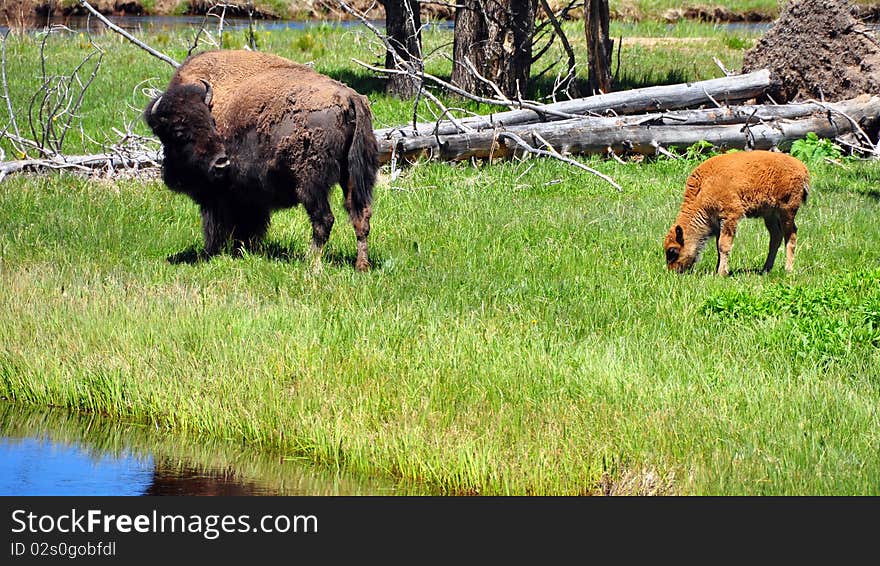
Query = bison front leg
x=216 y=228
x=322 y=223
x=249 y=227
x=230 y=224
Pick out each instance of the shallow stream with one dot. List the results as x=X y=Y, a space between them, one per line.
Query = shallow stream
x=56 y=452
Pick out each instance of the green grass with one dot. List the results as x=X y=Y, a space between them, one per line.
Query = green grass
x=176 y=460
x=519 y=333
x=118 y=94
x=658 y=9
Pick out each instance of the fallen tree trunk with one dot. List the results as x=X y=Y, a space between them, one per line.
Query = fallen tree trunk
x=754 y=126
x=108 y=161
x=649 y=99
x=601 y=135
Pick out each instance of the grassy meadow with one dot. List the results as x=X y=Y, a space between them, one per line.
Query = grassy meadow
x=518 y=334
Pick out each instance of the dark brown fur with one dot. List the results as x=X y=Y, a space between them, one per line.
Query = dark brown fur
x=247 y=133
x=726 y=188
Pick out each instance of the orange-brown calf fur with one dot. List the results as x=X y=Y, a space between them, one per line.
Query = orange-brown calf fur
x=726 y=188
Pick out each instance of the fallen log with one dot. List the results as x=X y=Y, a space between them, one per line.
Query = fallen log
x=758 y=127
x=732 y=89
x=107 y=161
x=755 y=126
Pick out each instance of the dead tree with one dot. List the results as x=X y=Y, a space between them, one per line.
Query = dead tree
x=403 y=25
x=493 y=37
x=599 y=45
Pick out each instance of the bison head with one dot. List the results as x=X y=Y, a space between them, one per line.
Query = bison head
x=194 y=149
x=676 y=259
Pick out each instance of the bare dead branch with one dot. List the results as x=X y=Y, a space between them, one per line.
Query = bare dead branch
x=535 y=107
x=12 y=121
x=875 y=149
x=565 y=44
x=727 y=72
x=551 y=152
x=127 y=35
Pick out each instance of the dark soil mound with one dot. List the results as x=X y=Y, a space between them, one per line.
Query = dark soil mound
x=818 y=49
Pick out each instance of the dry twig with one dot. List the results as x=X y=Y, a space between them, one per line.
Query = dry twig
x=551 y=152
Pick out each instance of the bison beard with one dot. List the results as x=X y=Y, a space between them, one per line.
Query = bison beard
x=247 y=133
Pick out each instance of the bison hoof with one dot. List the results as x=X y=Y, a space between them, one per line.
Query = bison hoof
x=362 y=265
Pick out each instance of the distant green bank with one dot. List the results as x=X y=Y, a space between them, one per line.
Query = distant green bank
x=632 y=10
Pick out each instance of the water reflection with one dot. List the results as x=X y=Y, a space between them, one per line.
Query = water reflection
x=55 y=452
x=36 y=466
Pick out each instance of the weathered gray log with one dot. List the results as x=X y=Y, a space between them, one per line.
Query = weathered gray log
x=107 y=161
x=600 y=135
x=757 y=126
x=741 y=114
x=727 y=90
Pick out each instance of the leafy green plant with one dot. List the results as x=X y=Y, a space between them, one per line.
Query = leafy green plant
x=826 y=321
x=814 y=149
x=700 y=150
x=736 y=42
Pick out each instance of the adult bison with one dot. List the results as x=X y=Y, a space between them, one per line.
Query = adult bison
x=246 y=133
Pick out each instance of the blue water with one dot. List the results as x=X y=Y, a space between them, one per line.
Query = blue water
x=47 y=451
x=34 y=466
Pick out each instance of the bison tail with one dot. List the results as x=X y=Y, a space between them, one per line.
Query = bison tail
x=363 y=158
x=806 y=192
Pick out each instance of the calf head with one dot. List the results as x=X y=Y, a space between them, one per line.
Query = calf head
x=676 y=258
x=193 y=147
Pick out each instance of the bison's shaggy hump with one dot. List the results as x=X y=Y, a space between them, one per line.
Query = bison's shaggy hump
x=726 y=188
x=289 y=133
x=250 y=79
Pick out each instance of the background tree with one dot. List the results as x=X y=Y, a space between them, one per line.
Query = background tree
x=403 y=25
x=599 y=45
x=495 y=36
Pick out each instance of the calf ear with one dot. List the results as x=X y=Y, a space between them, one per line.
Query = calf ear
x=679 y=235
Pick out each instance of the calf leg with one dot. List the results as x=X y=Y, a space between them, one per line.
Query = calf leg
x=725 y=244
x=789 y=231
x=774 y=226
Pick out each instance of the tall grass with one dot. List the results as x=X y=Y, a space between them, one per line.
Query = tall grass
x=176 y=460
x=519 y=333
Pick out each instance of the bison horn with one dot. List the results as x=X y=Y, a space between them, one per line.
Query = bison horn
x=155 y=104
x=209 y=92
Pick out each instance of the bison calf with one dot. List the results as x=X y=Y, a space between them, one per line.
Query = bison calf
x=724 y=189
x=247 y=133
